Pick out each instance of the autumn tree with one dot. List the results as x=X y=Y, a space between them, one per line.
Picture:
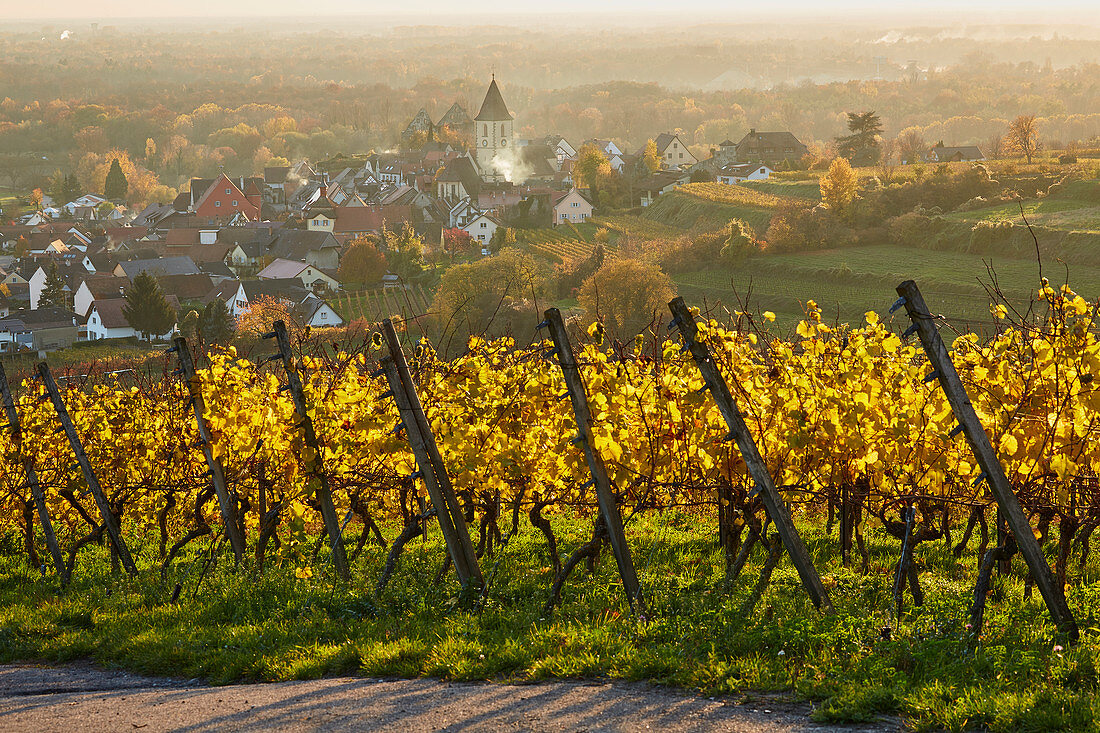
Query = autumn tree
x=457 y=241
x=147 y=310
x=115 y=186
x=494 y=295
x=651 y=159
x=262 y=313
x=1023 y=136
x=590 y=166
x=838 y=187
x=404 y=251
x=362 y=262
x=740 y=242
x=626 y=295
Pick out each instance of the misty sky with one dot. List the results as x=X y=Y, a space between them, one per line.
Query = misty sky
x=434 y=11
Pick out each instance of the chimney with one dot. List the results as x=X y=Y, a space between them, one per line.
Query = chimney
x=752 y=131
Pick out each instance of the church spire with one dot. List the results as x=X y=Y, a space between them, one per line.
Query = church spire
x=493 y=109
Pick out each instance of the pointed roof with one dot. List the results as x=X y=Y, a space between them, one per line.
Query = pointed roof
x=493 y=109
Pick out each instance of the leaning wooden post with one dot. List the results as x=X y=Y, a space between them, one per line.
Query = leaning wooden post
x=86 y=467
x=324 y=493
x=605 y=495
x=214 y=463
x=429 y=460
x=992 y=471
x=32 y=479
x=758 y=469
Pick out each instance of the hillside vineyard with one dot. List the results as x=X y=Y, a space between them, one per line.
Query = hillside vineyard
x=837 y=412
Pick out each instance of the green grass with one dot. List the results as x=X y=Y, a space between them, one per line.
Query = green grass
x=848 y=282
x=230 y=626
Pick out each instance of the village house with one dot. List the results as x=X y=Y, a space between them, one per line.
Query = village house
x=672 y=151
x=571 y=206
x=737 y=172
x=107 y=320
x=660 y=183
x=311 y=276
x=482 y=227
x=44 y=329
x=941 y=153
x=772 y=148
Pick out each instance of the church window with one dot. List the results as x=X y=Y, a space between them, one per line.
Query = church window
x=485 y=143
x=484 y=129
x=503 y=143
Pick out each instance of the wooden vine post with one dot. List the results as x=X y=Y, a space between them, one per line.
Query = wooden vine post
x=429 y=461
x=90 y=478
x=992 y=471
x=758 y=469
x=321 y=485
x=32 y=479
x=605 y=494
x=214 y=463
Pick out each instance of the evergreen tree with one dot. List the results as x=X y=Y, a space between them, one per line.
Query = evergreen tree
x=862 y=146
x=216 y=325
x=146 y=309
x=70 y=188
x=116 y=185
x=53 y=292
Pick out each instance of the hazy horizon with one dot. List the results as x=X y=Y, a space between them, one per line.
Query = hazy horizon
x=626 y=12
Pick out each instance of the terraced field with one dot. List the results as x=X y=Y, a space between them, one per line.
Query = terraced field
x=374 y=305
x=807 y=190
x=682 y=210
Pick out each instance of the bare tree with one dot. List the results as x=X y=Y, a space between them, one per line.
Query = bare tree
x=996 y=146
x=1023 y=136
x=887 y=166
x=910 y=146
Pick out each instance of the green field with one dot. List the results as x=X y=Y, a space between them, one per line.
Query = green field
x=846 y=283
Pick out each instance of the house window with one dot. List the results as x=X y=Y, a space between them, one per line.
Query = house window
x=681 y=155
x=564 y=215
x=227 y=192
x=483 y=225
x=235 y=203
x=217 y=204
x=322 y=315
x=574 y=204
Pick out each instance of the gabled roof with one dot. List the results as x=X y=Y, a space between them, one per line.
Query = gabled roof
x=493 y=109
x=946 y=152
x=281 y=269
x=290 y=289
x=104 y=286
x=295 y=244
x=784 y=139
x=224 y=291
x=461 y=170
x=110 y=312
x=162 y=266
x=309 y=307
x=186 y=287
x=456 y=117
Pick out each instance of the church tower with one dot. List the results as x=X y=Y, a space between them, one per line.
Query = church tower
x=493 y=133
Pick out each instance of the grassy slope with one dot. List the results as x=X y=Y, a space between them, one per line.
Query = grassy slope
x=848 y=282
x=229 y=626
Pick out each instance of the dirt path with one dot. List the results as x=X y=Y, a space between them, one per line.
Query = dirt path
x=78 y=698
